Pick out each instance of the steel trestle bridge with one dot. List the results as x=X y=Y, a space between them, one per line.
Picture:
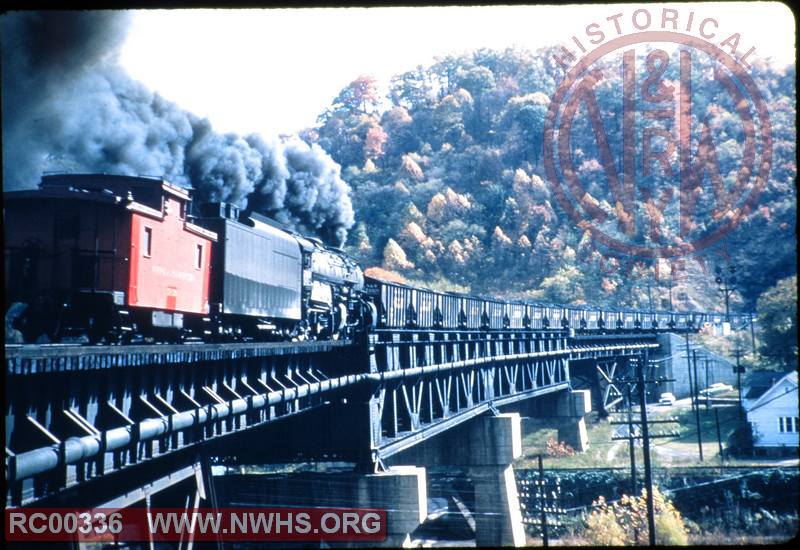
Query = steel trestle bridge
x=99 y=424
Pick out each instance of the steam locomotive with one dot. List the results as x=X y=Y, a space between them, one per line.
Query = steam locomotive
x=118 y=259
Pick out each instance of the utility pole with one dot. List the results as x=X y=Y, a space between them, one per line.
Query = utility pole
x=632 y=442
x=648 y=471
x=640 y=384
x=739 y=370
x=697 y=406
x=719 y=438
x=545 y=541
x=726 y=286
x=708 y=384
x=542 y=498
x=692 y=390
x=670 y=293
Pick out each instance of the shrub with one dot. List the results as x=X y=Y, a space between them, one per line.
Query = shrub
x=740 y=442
x=556 y=449
x=671 y=531
x=603 y=527
x=625 y=522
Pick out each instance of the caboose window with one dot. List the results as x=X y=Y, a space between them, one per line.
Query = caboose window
x=199 y=256
x=148 y=241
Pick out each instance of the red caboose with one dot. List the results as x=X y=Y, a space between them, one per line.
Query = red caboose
x=105 y=256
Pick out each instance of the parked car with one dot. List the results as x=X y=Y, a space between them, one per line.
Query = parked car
x=667 y=399
x=716 y=388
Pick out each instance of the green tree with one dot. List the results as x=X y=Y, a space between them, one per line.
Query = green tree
x=477 y=81
x=446 y=69
x=448 y=118
x=411 y=90
x=398 y=125
x=777 y=315
x=522 y=122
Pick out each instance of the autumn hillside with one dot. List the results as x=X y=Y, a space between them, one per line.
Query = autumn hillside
x=449 y=188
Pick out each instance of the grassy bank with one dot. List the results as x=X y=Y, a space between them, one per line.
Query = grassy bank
x=734 y=518
x=604 y=452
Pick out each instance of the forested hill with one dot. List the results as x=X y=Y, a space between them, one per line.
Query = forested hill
x=449 y=188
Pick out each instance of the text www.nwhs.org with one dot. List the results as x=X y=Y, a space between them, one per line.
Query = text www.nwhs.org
x=330 y=523
x=166 y=524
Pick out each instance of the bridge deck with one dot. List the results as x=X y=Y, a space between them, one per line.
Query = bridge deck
x=31 y=359
x=79 y=414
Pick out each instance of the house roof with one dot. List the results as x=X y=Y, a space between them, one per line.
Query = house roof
x=759 y=382
x=773 y=391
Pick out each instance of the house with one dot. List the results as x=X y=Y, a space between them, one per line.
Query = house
x=770 y=400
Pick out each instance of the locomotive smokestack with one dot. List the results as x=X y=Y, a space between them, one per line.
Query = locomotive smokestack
x=69 y=106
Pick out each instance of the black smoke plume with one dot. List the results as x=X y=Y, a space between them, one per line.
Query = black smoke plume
x=67 y=105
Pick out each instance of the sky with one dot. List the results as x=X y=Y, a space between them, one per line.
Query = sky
x=273 y=71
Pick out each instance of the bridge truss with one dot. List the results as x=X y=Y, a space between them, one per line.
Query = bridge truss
x=83 y=422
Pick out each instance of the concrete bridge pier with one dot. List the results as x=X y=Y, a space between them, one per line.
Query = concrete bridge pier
x=401 y=491
x=566 y=412
x=484 y=448
x=494 y=443
x=571 y=408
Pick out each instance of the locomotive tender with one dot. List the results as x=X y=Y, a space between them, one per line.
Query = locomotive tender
x=266 y=278
x=119 y=258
